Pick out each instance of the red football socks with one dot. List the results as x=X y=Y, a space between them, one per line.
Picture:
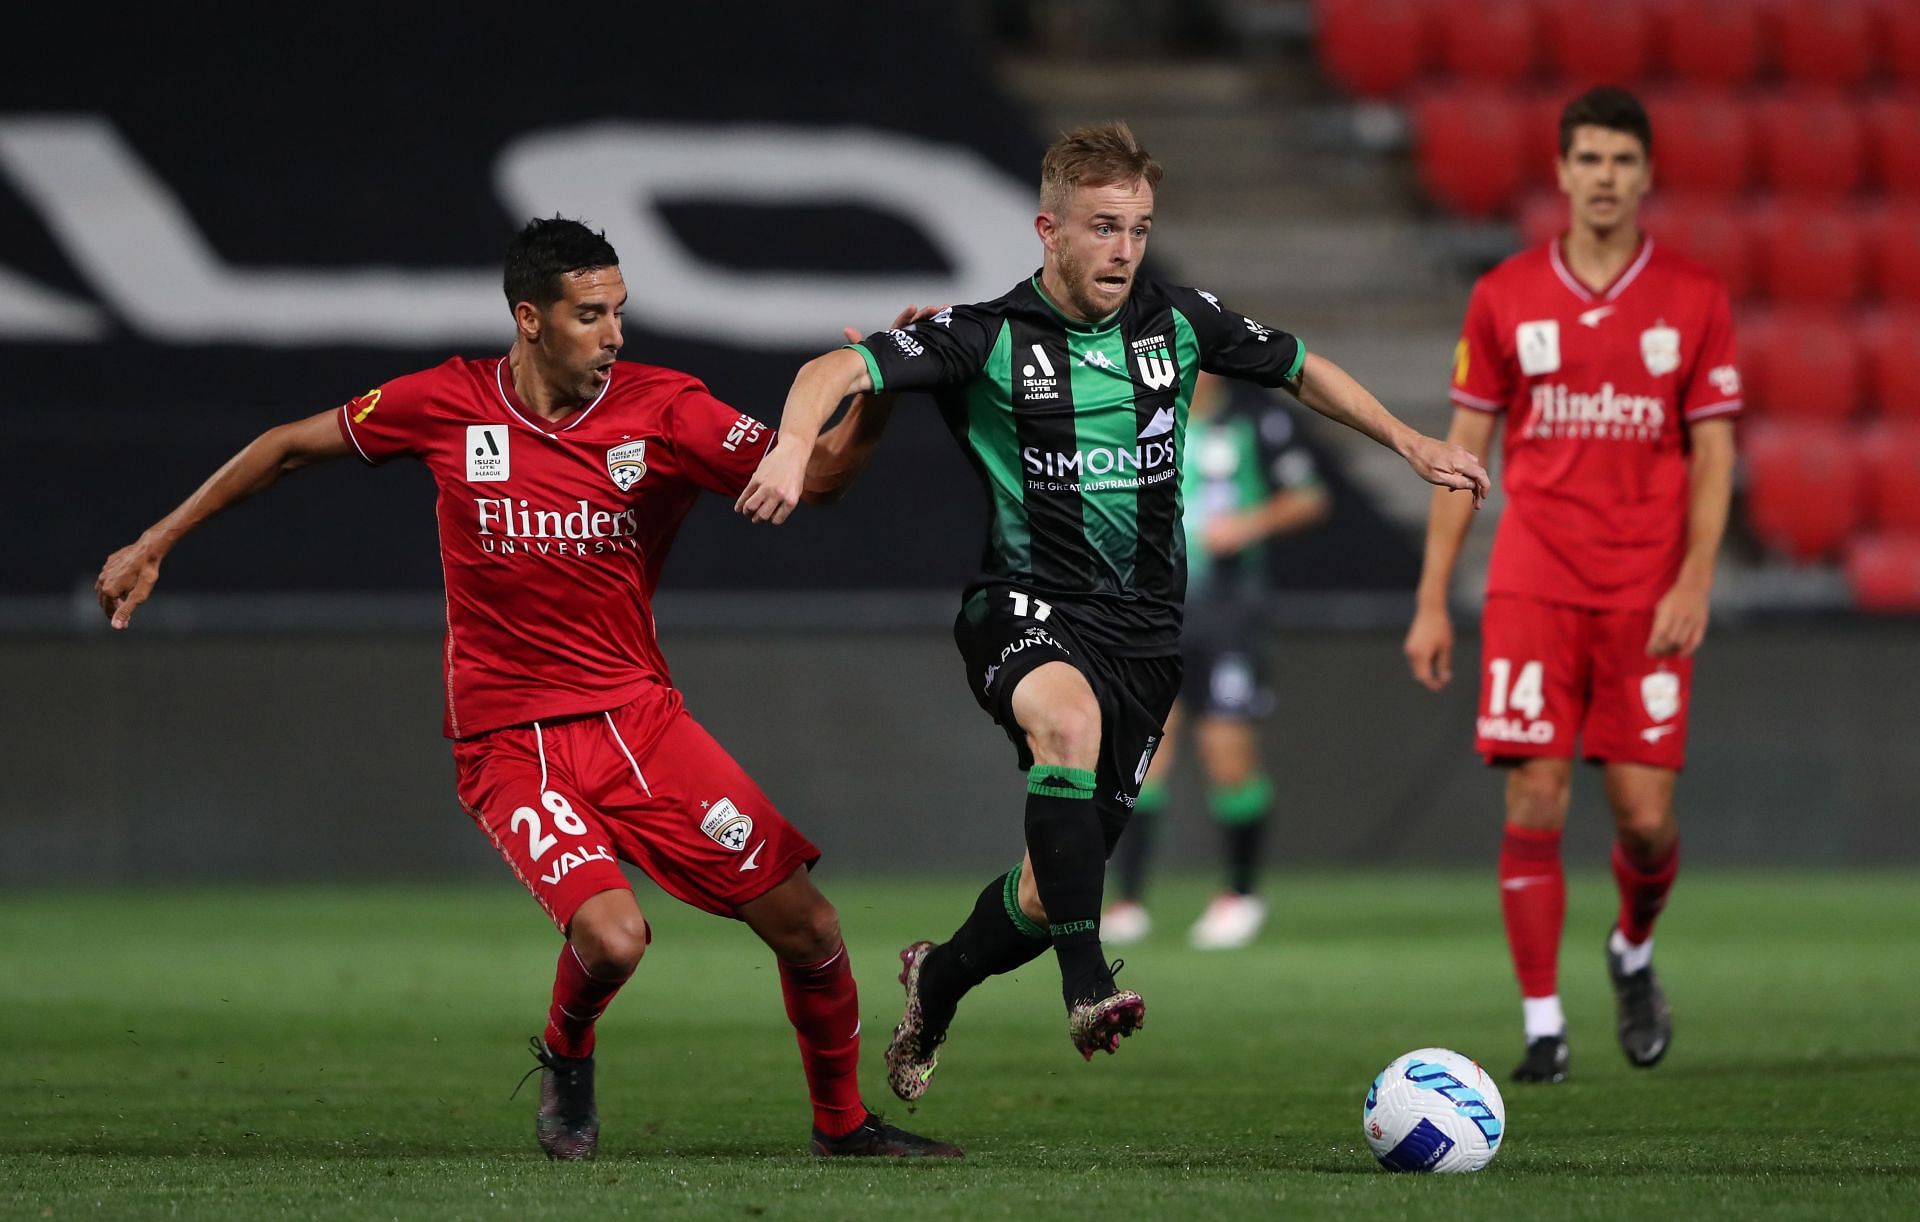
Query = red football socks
x=1533 y=899
x=824 y=1007
x=1643 y=890
x=579 y=998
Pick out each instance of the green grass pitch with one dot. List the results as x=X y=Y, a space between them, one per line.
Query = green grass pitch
x=334 y=1053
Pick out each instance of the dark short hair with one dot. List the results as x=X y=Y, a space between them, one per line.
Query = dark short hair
x=1607 y=106
x=547 y=249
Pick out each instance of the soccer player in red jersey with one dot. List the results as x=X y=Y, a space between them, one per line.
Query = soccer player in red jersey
x=563 y=475
x=1611 y=359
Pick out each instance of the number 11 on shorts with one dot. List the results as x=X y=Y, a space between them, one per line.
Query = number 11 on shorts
x=1041 y=610
x=1523 y=695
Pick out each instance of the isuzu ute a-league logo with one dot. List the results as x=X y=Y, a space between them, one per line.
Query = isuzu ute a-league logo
x=486 y=453
x=626 y=463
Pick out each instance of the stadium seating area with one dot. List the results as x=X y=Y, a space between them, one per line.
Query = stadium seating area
x=1788 y=159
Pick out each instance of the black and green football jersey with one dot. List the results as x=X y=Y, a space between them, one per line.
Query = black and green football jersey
x=1078 y=431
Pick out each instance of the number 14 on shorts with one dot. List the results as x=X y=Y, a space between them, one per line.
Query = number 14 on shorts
x=1521 y=692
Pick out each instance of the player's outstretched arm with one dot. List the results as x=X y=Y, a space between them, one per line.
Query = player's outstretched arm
x=817 y=389
x=844 y=450
x=1680 y=618
x=1429 y=644
x=1329 y=390
x=127 y=578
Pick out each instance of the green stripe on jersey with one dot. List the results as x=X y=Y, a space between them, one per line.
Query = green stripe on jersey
x=995 y=442
x=873 y=366
x=1105 y=436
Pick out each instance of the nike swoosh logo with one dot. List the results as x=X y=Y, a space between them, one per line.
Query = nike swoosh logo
x=1523 y=882
x=1655 y=733
x=1592 y=318
x=753 y=859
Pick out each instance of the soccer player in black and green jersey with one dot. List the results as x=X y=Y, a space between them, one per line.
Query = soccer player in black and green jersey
x=1069 y=396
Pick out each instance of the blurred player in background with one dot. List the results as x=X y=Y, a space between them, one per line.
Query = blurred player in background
x=1611 y=360
x=1248 y=478
x=563 y=475
x=1069 y=396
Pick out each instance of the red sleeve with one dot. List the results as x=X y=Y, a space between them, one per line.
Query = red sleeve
x=718 y=446
x=386 y=421
x=1713 y=384
x=1481 y=379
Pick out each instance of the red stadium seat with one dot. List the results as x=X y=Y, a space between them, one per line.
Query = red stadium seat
x=1543 y=217
x=1540 y=139
x=1889 y=459
x=1810 y=252
x=1488 y=40
x=1708 y=228
x=1590 y=43
x=1712 y=42
x=1802 y=488
x=1824 y=42
x=1802 y=364
x=1812 y=143
x=1702 y=141
x=1884 y=572
x=1899 y=39
x=1892 y=360
x=1893 y=137
x=1375 y=48
x=1893 y=251
x=1467 y=149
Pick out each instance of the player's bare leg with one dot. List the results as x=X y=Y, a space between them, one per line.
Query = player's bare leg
x=1646 y=856
x=605 y=940
x=803 y=930
x=1067 y=851
x=1533 y=903
x=1240 y=797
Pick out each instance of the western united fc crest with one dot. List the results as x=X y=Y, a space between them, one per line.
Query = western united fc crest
x=626 y=463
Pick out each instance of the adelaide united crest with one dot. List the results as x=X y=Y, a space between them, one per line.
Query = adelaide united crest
x=626 y=463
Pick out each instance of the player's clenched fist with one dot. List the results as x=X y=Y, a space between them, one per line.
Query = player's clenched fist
x=125 y=581
x=1450 y=466
x=776 y=484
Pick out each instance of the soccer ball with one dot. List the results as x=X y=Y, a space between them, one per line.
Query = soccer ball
x=1434 y=1110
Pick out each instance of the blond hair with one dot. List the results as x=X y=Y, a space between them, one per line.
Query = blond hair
x=1097 y=155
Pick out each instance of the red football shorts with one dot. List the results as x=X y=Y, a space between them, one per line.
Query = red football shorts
x=1552 y=673
x=565 y=801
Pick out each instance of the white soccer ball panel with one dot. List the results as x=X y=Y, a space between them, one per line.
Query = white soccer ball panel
x=1434 y=1110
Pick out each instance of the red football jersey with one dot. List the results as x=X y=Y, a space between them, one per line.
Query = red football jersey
x=1597 y=389
x=552 y=533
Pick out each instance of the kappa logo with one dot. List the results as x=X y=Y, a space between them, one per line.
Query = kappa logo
x=727 y=826
x=1097 y=360
x=626 y=463
x=1660 y=349
x=944 y=318
x=1210 y=299
x=487 y=457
